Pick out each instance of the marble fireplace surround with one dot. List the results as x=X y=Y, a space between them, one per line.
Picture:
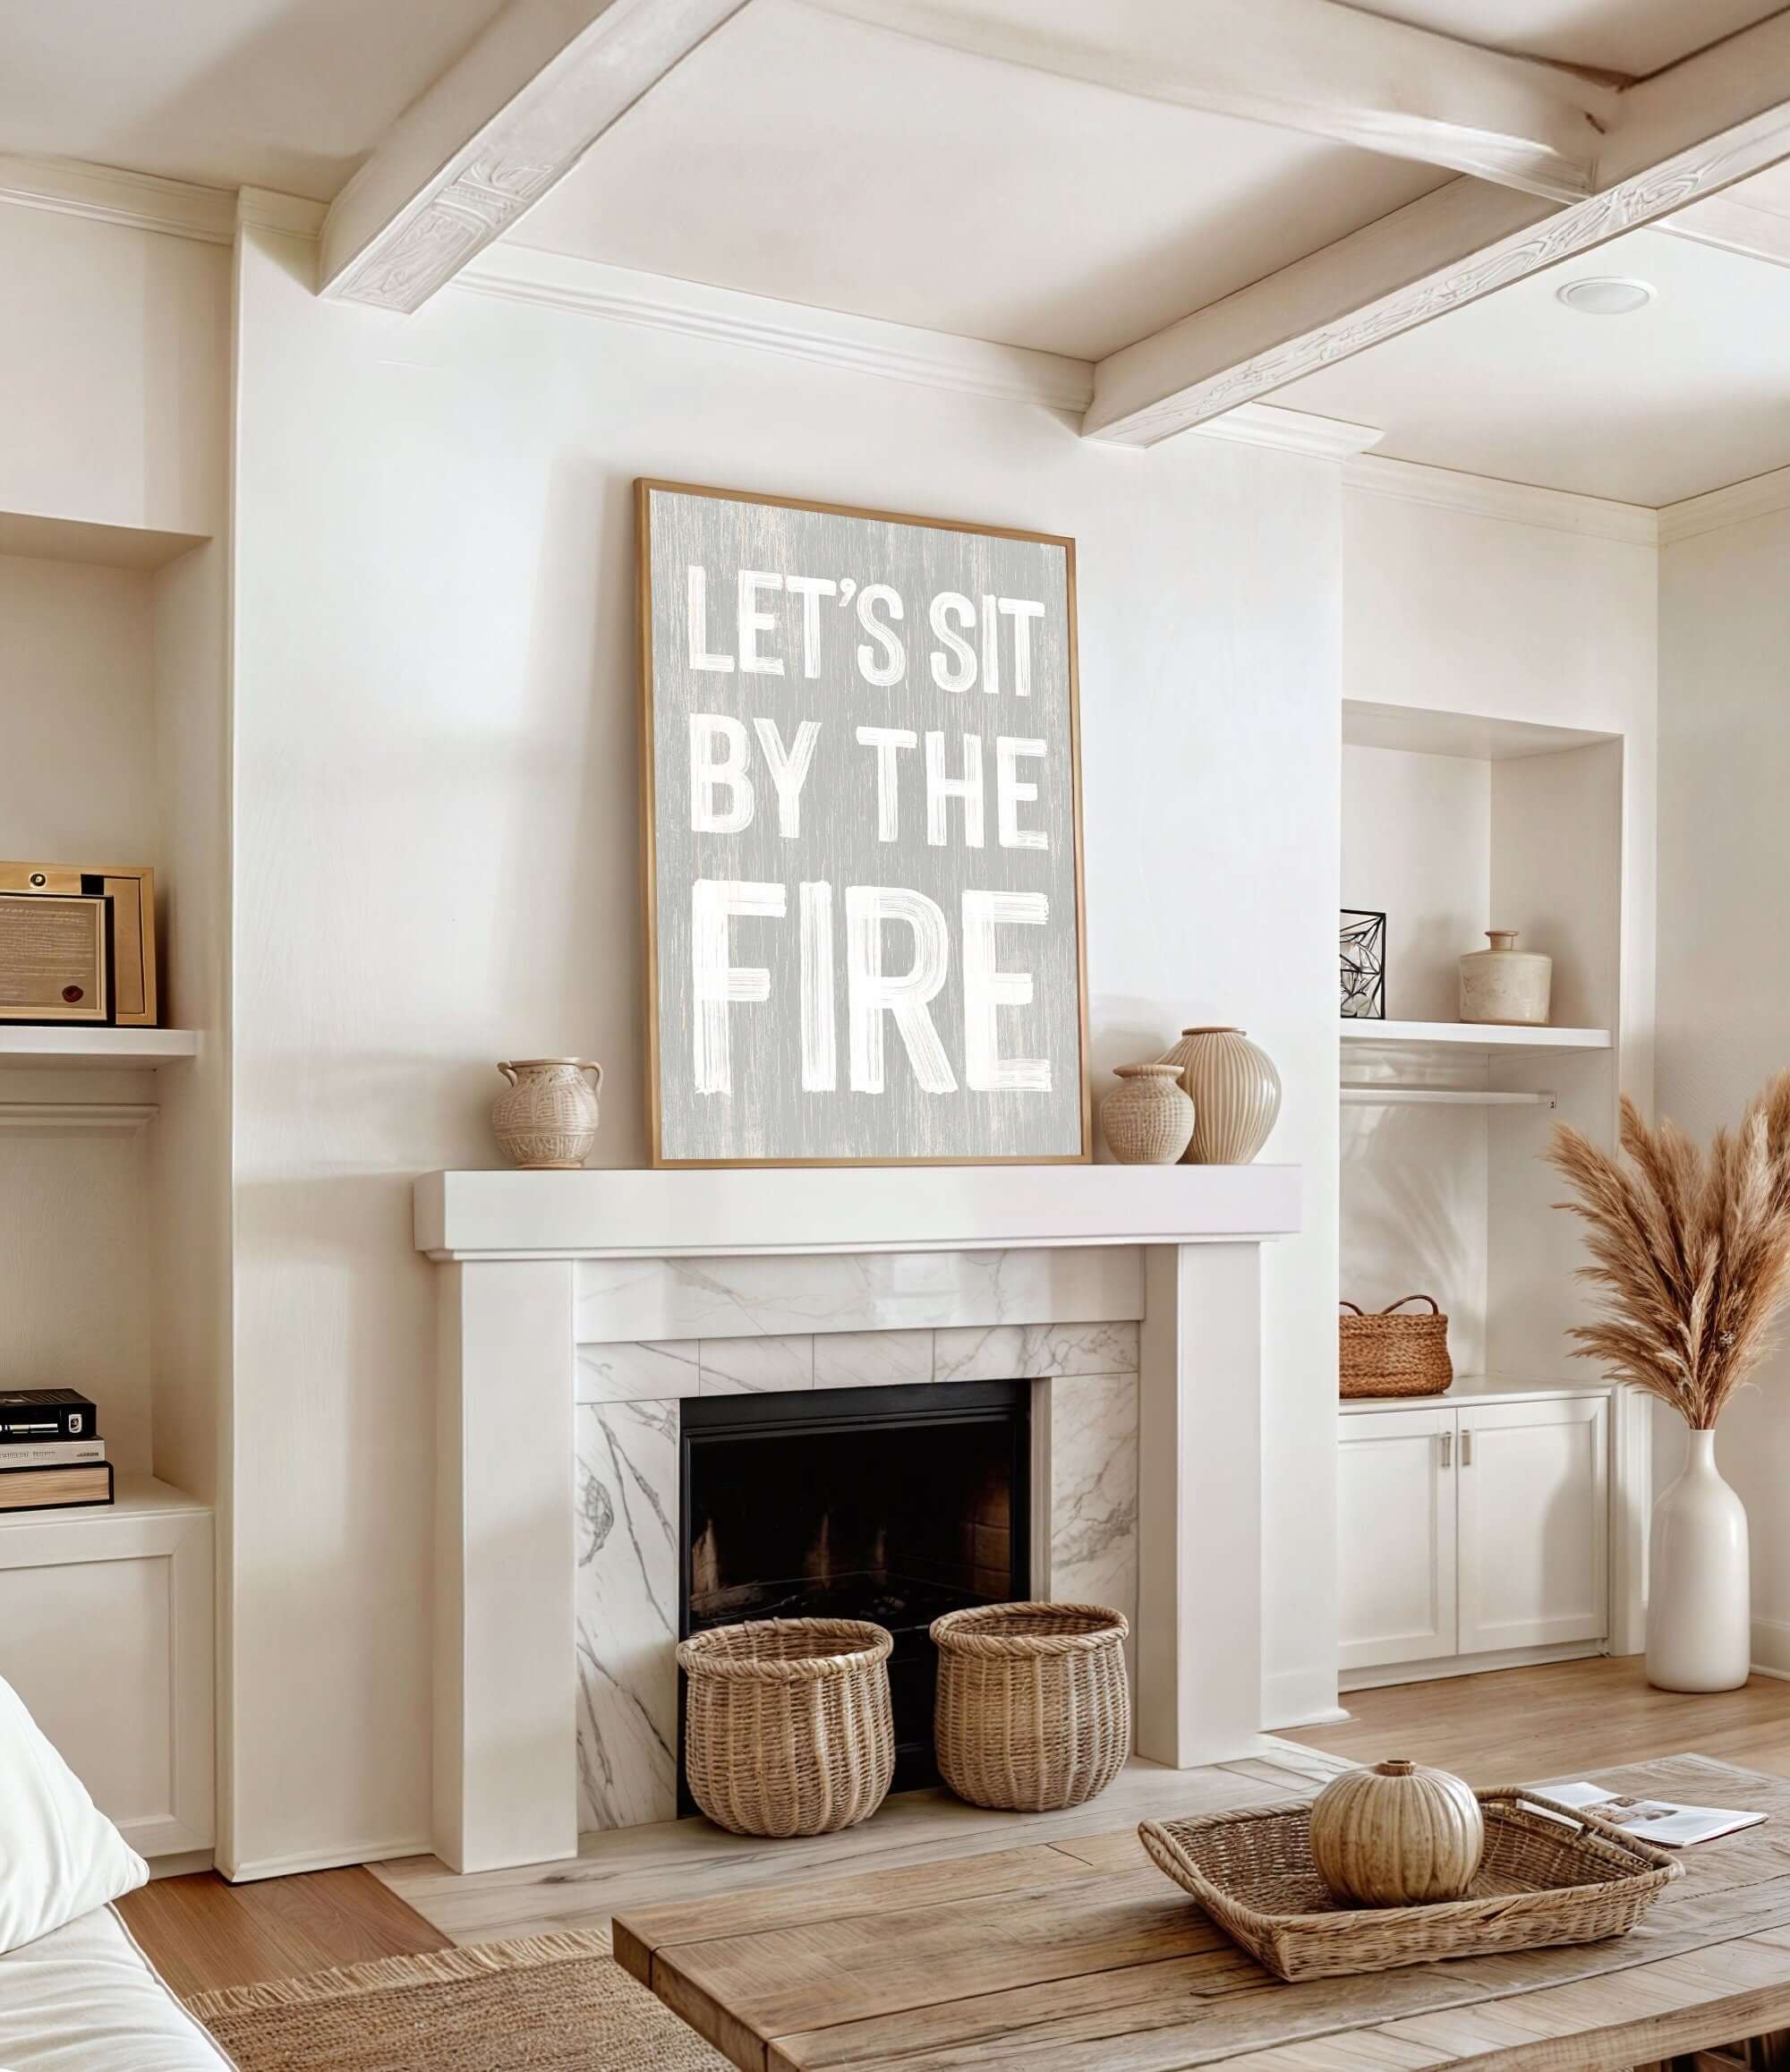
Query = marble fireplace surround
x=577 y=1309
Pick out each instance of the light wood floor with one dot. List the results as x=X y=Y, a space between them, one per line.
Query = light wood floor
x=1516 y=1726
x=1519 y=1725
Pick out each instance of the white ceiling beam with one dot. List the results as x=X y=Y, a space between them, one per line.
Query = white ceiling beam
x=495 y=131
x=1681 y=135
x=1733 y=225
x=1300 y=65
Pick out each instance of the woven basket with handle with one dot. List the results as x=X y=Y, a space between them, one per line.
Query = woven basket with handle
x=1551 y=1874
x=1034 y=1711
x=788 y=1729
x=1387 y=1354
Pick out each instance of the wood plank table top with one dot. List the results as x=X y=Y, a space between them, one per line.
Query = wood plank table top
x=1080 y=1956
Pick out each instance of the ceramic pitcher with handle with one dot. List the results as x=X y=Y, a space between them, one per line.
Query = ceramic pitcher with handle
x=546 y=1117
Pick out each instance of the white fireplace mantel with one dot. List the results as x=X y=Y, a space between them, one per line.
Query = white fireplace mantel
x=1175 y=1247
x=739 y=1212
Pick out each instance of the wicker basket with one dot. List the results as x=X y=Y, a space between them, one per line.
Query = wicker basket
x=1540 y=1882
x=788 y=1729
x=1034 y=1710
x=1386 y=1354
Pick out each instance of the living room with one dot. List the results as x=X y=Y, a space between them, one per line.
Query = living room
x=532 y=1182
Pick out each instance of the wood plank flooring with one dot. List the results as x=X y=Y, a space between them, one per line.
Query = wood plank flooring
x=1560 y=1719
x=1512 y=1726
x=201 y=1932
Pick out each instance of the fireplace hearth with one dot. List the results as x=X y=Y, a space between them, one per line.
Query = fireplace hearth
x=891 y=1504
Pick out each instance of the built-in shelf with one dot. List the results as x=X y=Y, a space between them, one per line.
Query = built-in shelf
x=103 y=1115
x=134 y=1499
x=1473 y=1389
x=43 y=538
x=1369 y=1096
x=128 y=1050
x=1456 y=1038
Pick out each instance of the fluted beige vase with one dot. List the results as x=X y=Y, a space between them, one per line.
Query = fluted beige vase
x=1235 y=1091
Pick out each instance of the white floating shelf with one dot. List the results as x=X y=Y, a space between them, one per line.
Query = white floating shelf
x=127 y=1050
x=1490 y=1040
x=1377 y=1096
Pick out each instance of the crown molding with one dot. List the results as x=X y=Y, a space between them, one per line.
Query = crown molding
x=105 y=195
x=1290 y=430
x=831 y=337
x=859 y=344
x=292 y=215
x=1756 y=497
x=1513 y=503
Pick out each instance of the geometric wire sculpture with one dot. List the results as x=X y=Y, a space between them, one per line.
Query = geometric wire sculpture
x=1364 y=965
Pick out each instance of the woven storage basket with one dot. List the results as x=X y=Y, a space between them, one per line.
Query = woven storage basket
x=1540 y=1883
x=1386 y=1354
x=1034 y=1711
x=788 y=1729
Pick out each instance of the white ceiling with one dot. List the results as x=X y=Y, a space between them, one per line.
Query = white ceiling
x=287 y=94
x=806 y=156
x=1686 y=395
x=1636 y=37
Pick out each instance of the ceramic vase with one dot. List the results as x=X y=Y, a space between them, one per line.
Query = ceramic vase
x=1236 y=1095
x=1147 y=1118
x=1505 y=984
x=546 y=1117
x=1699 y=1600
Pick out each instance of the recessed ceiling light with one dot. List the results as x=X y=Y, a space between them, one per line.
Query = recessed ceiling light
x=1605 y=297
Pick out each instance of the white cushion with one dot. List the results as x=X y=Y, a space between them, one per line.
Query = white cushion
x=60 y=1857
x=87 y=1999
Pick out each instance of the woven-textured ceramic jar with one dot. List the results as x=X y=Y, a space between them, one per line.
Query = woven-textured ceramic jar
x=1147 y=1118
x=546 y=1117
x=1505 y=984
x=1397 y=1834
x=1236 y=1095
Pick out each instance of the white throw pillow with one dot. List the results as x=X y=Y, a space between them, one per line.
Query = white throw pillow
x=60 y=1857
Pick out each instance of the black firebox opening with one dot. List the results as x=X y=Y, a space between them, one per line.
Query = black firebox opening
x=892 y=1504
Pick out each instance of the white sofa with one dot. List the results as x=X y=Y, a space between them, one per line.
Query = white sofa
x=76 y=1993
x=85 y=1998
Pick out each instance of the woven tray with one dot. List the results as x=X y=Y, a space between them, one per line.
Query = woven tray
x=1540 y=1883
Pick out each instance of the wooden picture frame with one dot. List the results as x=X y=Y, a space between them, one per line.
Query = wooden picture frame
x=817 y=1085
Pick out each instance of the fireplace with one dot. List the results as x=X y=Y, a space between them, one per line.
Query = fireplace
x=891 y=1504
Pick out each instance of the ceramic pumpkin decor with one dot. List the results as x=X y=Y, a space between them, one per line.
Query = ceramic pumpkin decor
x=1397 y=1834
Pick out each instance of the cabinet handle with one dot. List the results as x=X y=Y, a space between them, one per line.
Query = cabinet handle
x=1466 y=1449
x=1447 y=1449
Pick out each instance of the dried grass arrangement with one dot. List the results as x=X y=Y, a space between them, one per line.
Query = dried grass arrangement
x=1691 y=1251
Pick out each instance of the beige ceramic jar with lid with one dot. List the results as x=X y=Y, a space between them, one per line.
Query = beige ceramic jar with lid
x=1506 y=985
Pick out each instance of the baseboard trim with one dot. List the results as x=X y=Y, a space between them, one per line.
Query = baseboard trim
x=301 y=1859
x=1300 y=1698
x=1444 y=1666
x=1771 y=1648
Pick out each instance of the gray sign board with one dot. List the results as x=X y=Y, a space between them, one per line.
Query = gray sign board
x=863 y=885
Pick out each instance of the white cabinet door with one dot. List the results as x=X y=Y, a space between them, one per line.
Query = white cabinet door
x=1395 y=1516
x=1533 y=1485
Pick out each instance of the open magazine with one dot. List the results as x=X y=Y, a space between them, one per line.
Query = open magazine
x=1660 y=1820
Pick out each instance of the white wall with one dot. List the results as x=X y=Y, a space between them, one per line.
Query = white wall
x=1724 y=981
x=435 y=765
x=114 y=335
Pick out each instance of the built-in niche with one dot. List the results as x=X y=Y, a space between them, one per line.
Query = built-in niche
x=891 y=1504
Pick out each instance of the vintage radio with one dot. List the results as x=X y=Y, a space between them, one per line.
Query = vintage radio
x=77 y=943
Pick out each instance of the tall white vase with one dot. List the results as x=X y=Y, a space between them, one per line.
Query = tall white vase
x=1699 y=1605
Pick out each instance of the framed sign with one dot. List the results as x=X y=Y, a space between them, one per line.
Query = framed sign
x=862 y=824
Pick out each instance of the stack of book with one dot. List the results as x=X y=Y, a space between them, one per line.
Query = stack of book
x=52 y=1457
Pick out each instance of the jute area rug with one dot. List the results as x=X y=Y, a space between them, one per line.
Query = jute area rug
x=554 y=2003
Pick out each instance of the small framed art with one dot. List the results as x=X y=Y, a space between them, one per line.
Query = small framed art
x=1364 y=965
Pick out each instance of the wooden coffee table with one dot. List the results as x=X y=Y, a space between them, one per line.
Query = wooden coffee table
x=1080 y=1956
